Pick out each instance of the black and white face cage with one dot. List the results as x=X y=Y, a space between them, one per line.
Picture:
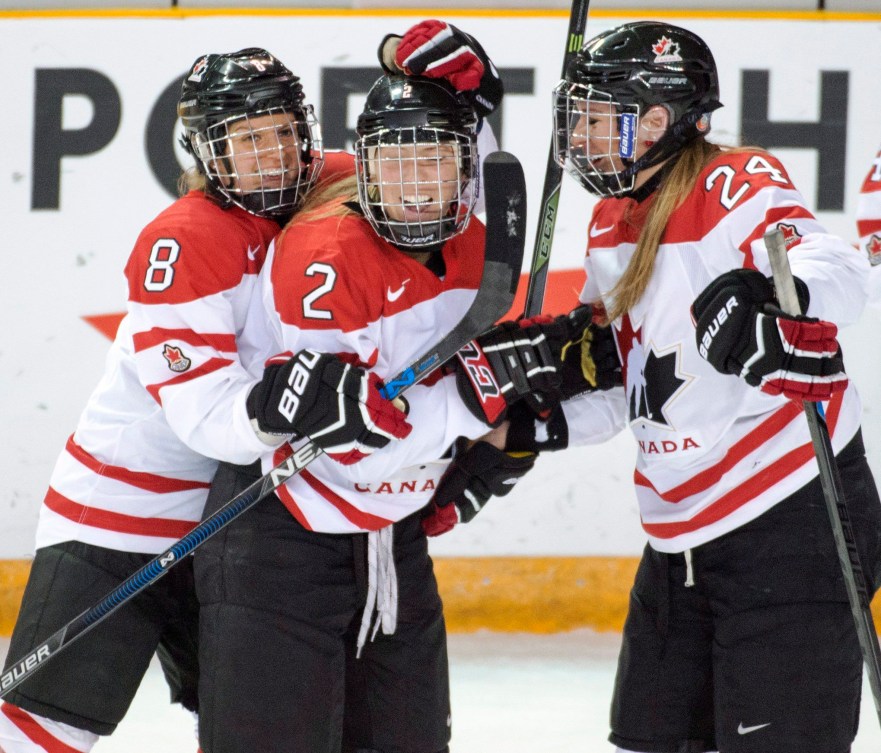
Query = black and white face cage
x=595 y=138
x=265 y=161
x=417 y=185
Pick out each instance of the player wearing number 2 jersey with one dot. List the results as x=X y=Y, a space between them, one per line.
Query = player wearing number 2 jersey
x=739 y=635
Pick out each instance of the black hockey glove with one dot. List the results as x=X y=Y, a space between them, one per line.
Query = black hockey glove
x=477 y=473
x=542 y=360
x=740 y=330
x=336 y=405
x=435 y=49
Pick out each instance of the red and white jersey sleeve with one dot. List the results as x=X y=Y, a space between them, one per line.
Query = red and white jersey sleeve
x=713 y=452
x=334 y=286
x=135 y=474
x=869 y=227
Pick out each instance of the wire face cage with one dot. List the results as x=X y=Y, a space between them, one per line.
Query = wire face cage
x=264 y=162
x=595 y=138
x=416 y=185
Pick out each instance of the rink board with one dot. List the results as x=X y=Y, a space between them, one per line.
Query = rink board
x=503 y=594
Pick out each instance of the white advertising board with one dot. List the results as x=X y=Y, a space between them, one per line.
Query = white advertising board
x=76 y=186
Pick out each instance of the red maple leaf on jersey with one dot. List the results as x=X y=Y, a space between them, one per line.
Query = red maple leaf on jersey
x=874 y=249
x=177 y=361
x=791 y=236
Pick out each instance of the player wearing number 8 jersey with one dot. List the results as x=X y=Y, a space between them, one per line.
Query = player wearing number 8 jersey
x=134 y=476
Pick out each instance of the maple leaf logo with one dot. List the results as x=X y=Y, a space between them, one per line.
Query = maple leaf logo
x=177 y=361
x=666 y=51
x=791 y=236
x=874 y=249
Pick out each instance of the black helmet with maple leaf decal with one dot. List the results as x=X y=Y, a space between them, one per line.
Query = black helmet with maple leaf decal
x=627 y=70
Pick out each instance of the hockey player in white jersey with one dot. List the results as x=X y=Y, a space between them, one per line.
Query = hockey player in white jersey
x=739 y=635
x=321 y=624
x=134 y=476
x=869 y=226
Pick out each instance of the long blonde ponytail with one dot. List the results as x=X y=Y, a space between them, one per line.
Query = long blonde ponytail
x=675 y=187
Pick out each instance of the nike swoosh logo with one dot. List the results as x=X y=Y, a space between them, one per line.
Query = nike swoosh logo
x=393 y=295
x=741 y=730
x=252 y=253
x=596 y=231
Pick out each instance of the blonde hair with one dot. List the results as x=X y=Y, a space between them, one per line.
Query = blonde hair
x=191 y=179
x=675 y=188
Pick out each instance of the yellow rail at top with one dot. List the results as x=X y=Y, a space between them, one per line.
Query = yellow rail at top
x=178 y=13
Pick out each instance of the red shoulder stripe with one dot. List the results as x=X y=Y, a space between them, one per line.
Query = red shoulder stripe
x=773 y=216
x=158 y=335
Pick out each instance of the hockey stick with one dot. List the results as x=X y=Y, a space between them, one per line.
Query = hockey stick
x=505 y=237
x=833 y=490
x=550 y=194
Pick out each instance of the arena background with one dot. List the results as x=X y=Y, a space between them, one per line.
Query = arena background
x=88 y=156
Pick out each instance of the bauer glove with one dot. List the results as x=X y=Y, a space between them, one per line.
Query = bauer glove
x=741 y=331
x=316 y=395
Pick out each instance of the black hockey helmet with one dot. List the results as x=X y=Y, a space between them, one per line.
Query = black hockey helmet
x=234 y=88
x=633 y=67
x=416 y=123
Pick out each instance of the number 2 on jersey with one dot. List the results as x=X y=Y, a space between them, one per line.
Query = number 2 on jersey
x=329 y=273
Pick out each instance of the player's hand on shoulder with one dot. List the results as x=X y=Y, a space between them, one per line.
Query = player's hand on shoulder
x=542 y=361
x=479 y=470
x=740 y=330
x=337 y=405
x=436 y=49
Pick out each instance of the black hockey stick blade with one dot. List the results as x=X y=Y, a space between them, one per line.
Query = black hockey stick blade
x=550 y=195
x=833 y=488
x=505 y=235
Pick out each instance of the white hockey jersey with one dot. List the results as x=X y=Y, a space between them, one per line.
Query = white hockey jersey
x=334 y=286
x=713 y=452
x=869 y=226
x=135 y=474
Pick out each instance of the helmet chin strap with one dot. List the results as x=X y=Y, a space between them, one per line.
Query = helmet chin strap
x=674 y=139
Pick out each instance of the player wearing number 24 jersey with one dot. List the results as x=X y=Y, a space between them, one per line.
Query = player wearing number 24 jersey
x=739 y=628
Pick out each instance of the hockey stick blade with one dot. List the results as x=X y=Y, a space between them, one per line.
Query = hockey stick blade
x=505 y=235
x=550 y=195
x=833 y=489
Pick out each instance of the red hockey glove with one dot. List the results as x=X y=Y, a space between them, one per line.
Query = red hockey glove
x=336 y=405
x=740 y=331
x=477 y=473
x=435 y=49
